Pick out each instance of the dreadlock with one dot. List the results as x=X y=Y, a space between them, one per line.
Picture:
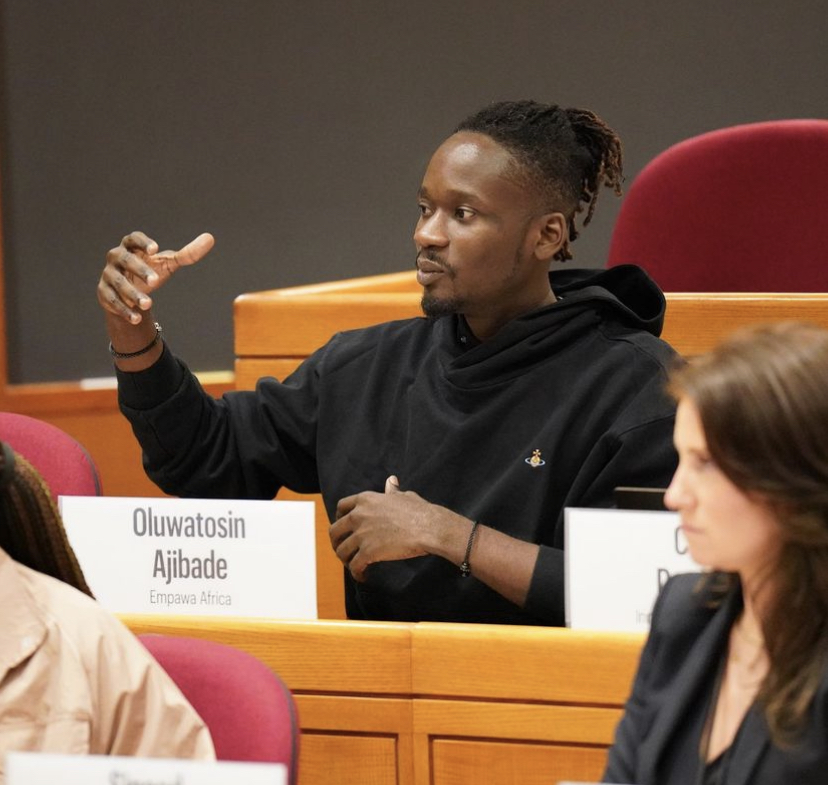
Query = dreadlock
x=565 y=154
x=31 y=529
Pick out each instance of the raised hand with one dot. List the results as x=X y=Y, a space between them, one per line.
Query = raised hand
x=136 y=267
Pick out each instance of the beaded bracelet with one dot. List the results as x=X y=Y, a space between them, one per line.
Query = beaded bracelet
x=465 y=567
x=127 y=355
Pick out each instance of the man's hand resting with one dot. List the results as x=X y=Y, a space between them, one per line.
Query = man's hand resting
x=373 y=527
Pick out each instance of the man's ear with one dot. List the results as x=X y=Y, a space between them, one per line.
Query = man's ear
x=553 y=234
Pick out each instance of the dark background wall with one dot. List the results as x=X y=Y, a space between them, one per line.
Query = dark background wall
x=297 y=132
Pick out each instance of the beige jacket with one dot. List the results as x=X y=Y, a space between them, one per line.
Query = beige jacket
x=73 y=679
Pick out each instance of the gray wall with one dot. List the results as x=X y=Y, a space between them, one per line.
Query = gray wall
x=297 y=132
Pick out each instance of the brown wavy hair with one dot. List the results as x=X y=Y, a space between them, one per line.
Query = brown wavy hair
x=762 y=397
x=31 y=529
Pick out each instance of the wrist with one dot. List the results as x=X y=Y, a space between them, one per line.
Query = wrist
x=465 y=566
x=119 y=355
x=134 y=347
x=450 y=536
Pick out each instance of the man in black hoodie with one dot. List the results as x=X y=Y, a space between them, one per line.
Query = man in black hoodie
x=447 y=447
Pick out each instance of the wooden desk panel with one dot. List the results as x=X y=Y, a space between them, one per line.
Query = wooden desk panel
x=696 y=322
x=555 y=664
x=329 y=657
x=292 y=323
x=509 y=704
x=459 y=762
x=348 y=760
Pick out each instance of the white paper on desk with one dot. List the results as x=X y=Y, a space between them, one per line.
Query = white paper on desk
x=37 y=768
x=197 y=557
x=616 y=561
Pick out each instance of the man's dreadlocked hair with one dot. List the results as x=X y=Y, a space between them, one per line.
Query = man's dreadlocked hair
x=566 y=154
x=31 y=529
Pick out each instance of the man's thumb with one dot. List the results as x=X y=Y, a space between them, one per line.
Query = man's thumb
x=392 y=484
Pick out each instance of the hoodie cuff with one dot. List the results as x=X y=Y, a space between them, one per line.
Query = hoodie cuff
x=142 y=390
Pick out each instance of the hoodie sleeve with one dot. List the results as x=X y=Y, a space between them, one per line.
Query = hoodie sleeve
x=245 y=445
x=642 y=456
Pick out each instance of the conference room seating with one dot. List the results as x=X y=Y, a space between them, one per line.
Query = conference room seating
x=738 y=209
x=250 y=712
x=63 y=462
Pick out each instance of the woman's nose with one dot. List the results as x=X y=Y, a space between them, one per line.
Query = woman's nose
x=676 y=496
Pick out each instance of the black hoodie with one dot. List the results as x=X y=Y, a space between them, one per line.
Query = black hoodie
x=579 y=384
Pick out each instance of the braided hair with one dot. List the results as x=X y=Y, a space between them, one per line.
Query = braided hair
x=565 y=154
x=31 y=529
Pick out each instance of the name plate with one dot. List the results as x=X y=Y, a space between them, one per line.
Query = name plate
x=616 y=561
x=198 y=557
x=37 y=768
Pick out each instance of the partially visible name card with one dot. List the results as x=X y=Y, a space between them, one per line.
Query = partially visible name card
x=616 y=561
x=203 y=557
x=37 y=768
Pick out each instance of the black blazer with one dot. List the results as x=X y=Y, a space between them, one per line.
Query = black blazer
x=680 y=660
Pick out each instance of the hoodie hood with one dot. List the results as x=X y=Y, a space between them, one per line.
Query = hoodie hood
x=626 y=289
x=619 y=303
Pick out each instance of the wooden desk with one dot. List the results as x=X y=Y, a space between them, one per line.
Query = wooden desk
x=383 y=703
x=276 y=330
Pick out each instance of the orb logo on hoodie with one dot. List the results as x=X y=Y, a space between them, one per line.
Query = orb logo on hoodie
x=535 y=460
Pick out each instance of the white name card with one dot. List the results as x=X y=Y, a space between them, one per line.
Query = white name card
x=616 y=561
x=197 y=557
x=37 y=768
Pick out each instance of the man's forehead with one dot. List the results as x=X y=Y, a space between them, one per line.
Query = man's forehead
x=470 y=148
x=467 y=162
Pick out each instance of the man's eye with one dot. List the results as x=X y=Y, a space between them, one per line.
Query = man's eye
x=463 y=213
x=424 y=210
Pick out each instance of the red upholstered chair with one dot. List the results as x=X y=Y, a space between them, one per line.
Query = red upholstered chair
x=741 y=209
x=251 y=714
x=64 y=464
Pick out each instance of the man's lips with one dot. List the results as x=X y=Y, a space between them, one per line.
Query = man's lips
x=428 y=271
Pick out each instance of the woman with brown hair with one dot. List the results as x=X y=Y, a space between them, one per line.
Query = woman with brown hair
x=73 y=679
x=732 y=686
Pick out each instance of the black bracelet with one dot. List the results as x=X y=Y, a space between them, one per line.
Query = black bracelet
x=465 y=567
x=126 y=355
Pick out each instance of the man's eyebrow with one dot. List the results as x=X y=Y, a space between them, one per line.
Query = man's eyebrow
x=461 y=196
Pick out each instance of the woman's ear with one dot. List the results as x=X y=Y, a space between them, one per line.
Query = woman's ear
x=552 y=236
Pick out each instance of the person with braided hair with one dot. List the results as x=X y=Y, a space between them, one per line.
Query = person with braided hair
x=31 y=529
x=447 y=447
x=73 y=679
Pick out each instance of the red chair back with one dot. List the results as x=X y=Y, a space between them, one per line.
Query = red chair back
x=64 y=464
x=741 y=209
x=250 y=712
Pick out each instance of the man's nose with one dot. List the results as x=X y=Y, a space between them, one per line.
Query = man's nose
x=430 y=231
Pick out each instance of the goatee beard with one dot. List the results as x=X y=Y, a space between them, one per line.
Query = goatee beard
x=435 y=308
